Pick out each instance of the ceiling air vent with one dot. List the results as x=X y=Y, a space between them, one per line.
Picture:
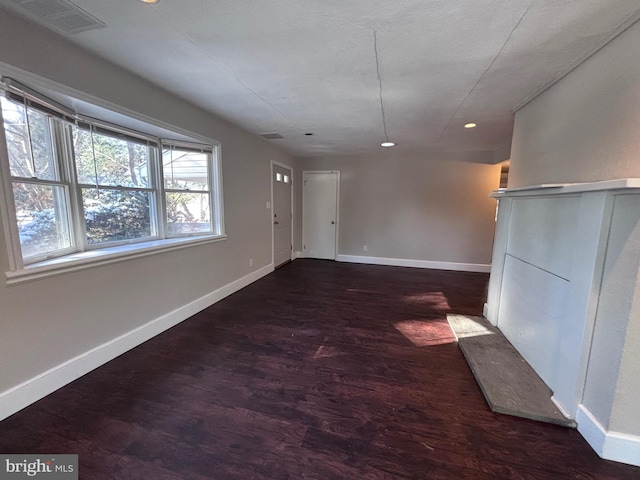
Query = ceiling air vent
x=271 y=136
x=60 y=14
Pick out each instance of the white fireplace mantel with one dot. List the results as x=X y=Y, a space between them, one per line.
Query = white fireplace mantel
x=556 y=188
x=564 y=277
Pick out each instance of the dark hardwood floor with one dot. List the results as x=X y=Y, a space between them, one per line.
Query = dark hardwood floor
x=319 y=371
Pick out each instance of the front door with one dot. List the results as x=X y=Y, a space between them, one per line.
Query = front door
x=281 y=215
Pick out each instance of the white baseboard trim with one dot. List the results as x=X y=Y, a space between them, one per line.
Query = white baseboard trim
x=619 y=447
x=32 y=390
x=298 y=254
x=561 y=408
x=402 y=262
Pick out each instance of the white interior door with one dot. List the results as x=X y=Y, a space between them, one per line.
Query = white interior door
x=281 y=215
x=320 y=214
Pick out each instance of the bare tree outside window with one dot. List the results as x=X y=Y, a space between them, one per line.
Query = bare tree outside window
x=79 y=184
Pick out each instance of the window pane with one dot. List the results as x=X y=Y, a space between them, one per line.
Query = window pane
x=185 y=170
x=83 y=151
x=42 y=218
x=110 y=161
x=116 y=215
x=42 y=145
x=188 y=213
x=21 y=149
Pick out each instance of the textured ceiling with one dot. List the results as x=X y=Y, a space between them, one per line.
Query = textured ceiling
x=297 y=66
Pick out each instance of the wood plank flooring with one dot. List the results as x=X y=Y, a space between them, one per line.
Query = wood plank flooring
x=320 y=370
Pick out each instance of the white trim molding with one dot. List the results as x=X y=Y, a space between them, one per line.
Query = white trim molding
x=298 y=254
x=561 y=408
x=104 y=256
x=619 y=447
x=404 y=262
x=32 y=390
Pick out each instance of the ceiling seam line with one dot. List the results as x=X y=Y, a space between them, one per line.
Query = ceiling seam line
x=493 y=61
x=622 y=27
x=384 y=120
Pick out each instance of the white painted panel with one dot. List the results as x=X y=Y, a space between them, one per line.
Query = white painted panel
x=532 y=308
x=616 y=334
x=497 y=261
x=543 y=232
x=587 y=229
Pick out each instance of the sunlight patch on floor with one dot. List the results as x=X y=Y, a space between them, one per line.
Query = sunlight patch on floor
x=435 y=299
x=426 y=333
x=469 y=326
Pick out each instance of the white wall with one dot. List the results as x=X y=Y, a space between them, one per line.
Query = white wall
x=47 y=322
x=414 y=207
x=584 y=129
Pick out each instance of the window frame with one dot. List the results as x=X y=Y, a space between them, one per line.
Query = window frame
x=81 y=253
x=62 y=180
x=152 y=189
x=211 y=152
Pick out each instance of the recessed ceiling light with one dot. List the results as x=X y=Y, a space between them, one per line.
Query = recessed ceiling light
x=470 y=125
x=150 y=2
x=387 y=144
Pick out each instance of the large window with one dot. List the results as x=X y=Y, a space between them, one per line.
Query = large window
x=80 y=185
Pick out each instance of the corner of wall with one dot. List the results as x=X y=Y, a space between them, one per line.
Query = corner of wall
x=609 y=445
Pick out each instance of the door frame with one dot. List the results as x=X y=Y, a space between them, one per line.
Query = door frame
x=293 y=216
x=337 y=172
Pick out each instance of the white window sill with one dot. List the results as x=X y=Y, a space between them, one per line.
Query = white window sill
x=103 y=256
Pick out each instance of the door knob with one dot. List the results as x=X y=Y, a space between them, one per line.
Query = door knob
x=276 y=222
x=332 y=222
